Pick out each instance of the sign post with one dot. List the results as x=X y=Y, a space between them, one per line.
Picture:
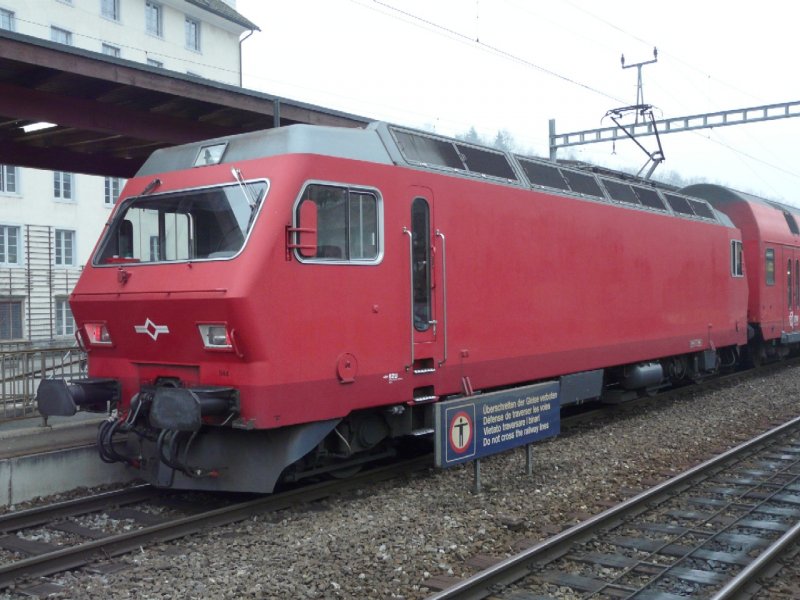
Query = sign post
x=470 y=428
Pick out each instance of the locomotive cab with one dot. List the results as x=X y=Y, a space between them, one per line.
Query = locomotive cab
x=155 y=251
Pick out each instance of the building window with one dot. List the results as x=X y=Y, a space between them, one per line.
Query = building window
x=62 y=36
x=769 y=266
x=192 y=34
x=65 y=323
x=9 y=245
x=737 y=270
x=113 y=186
x=65 y=248
x=155 y=63
x=7 y=20
x=10 y=320
x=110 y=9
x=347 y=223
x=110 y=50
x=8 y=179
x=62 y=185
x=153 y=18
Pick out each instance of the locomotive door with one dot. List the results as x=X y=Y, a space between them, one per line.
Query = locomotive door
x=427 y=285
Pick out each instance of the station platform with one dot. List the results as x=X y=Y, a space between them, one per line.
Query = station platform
x=41 y=460
x=30 y=435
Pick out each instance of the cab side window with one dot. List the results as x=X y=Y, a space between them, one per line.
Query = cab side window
x=347 y=227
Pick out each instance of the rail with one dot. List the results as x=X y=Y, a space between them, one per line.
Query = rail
x=41 y=559
x=707 y=533
x=22 y=369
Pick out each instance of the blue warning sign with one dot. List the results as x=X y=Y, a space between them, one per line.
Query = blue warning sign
x=478 y=426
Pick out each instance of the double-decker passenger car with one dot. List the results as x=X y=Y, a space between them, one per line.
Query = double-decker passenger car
x=282 y=302
x=771 y=250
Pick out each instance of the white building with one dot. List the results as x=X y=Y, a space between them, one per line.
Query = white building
x=50 y=221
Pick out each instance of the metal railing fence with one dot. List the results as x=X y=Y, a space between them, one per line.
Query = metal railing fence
x=22 y=369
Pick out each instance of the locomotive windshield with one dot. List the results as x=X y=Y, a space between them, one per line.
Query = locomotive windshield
x=201 y=224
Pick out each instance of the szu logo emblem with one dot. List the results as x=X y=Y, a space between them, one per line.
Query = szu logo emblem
x=151 y=329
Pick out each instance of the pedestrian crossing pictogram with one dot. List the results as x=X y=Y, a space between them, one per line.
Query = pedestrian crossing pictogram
x=461 y=431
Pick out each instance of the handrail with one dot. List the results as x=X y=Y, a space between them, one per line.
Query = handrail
x=407 y=231
x=21 y=370
x=444 y=294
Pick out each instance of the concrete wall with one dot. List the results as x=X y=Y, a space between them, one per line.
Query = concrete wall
x=26 y=477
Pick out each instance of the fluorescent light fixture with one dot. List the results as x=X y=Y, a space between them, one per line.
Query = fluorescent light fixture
x=37 y=126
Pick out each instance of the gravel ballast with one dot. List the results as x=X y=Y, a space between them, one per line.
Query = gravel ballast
x=388 y=540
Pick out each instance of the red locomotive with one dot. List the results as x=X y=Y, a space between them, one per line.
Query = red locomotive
x=283 y=303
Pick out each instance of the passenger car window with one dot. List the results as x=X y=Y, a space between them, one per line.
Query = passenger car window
x=736 y=259
x=769 y=266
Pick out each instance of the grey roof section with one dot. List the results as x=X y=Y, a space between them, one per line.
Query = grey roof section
x=221 y=9
x=341 y=142
x=376 y=144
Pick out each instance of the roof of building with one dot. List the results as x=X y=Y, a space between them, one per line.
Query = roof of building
x=111 y=113
x=221 y=9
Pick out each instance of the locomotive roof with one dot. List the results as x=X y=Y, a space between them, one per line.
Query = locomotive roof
x=389 y=144
x=343 y=142
x=723 y=194
x=719 y=195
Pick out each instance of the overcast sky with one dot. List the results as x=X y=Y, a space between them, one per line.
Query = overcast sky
x=512 y=65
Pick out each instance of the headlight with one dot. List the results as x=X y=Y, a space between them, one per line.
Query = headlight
x=215 y=336
x=97 y=334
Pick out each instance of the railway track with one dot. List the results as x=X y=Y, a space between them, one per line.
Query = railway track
x=26 y=556
x=28 y=551
x=707 y=533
